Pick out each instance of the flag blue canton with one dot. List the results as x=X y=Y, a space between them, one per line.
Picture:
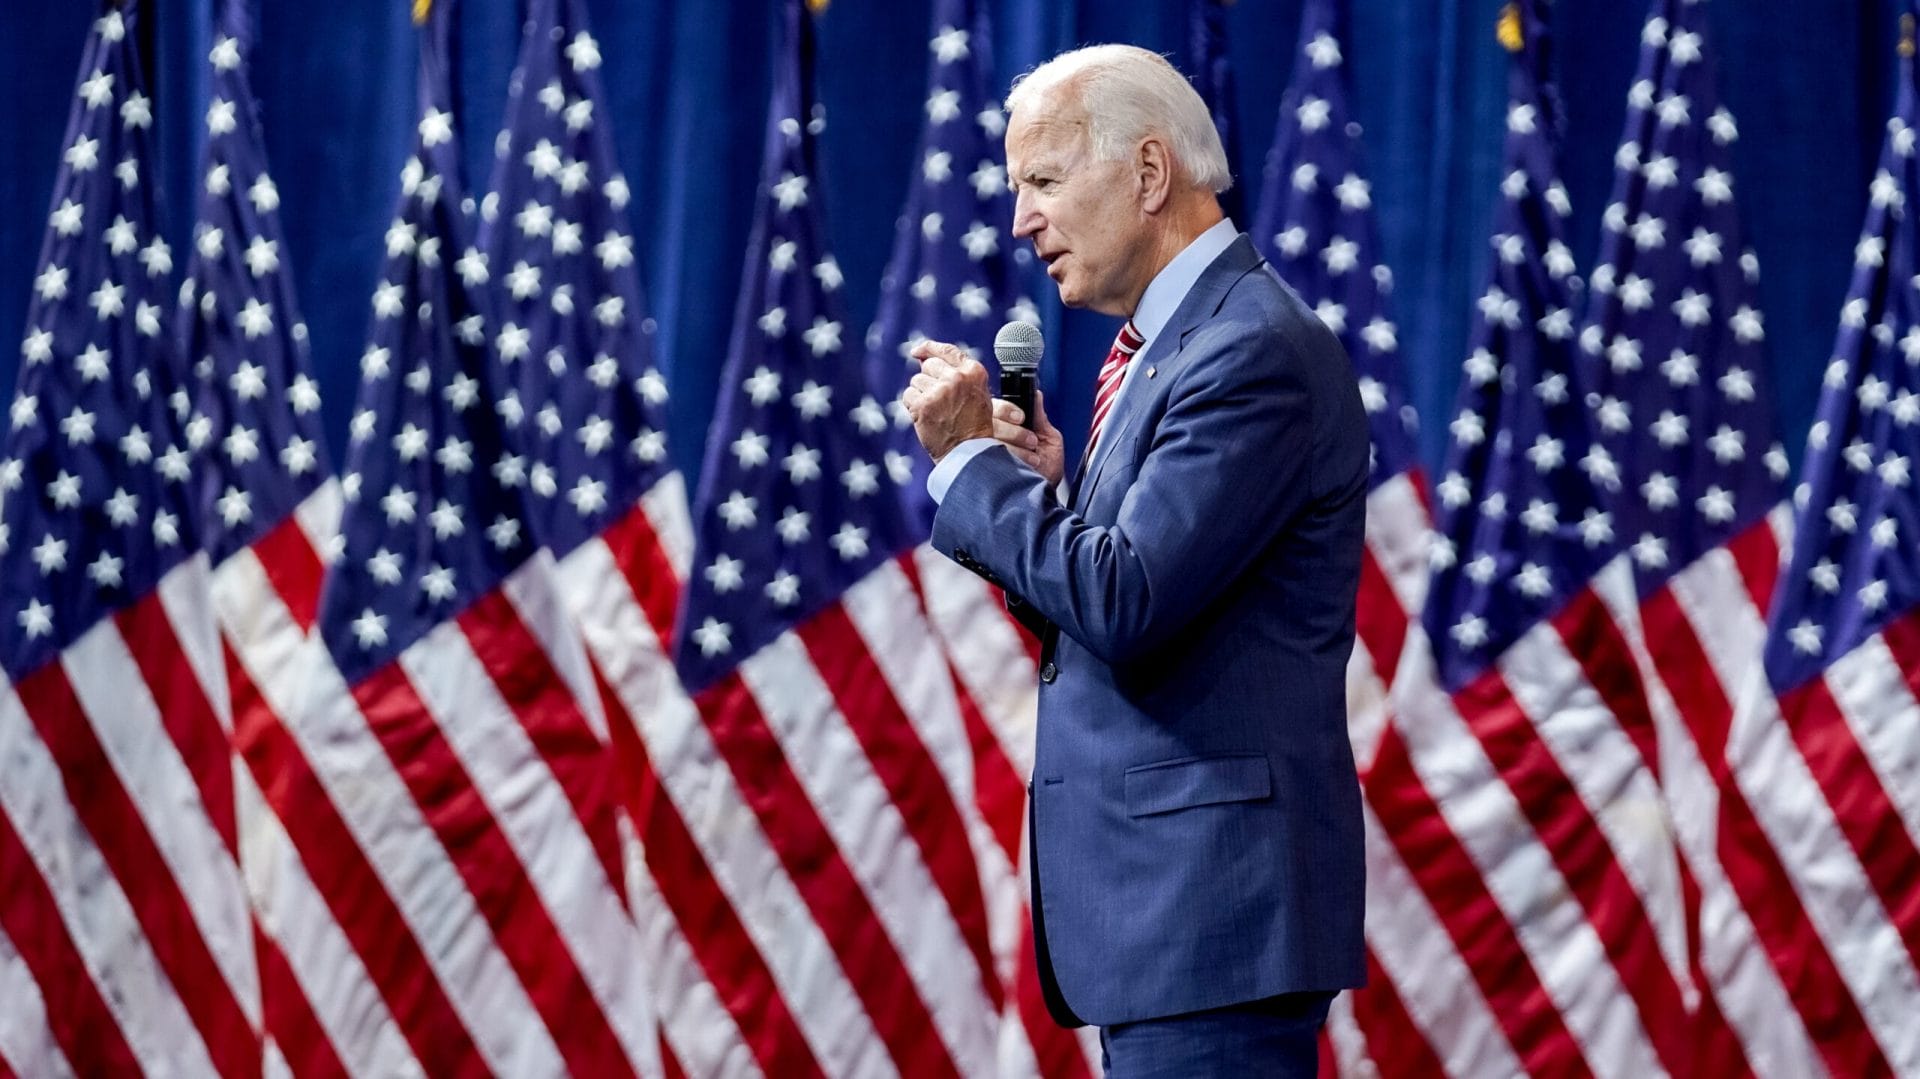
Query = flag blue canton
x=1673 y=346
x=94 y=502
x=954 y=275
x=1856 y=548
x=796 y=501
x=572 y=337
x=436 y=510
x=1519 y=530
x=1316 y=226
x=240 y=325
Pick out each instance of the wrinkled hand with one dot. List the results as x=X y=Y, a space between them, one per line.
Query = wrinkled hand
x=948 y=399
x=1042 y=448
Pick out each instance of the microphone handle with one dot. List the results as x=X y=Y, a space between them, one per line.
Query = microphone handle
x=1016 y=386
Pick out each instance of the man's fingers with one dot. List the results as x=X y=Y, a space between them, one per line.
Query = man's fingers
x=1009 y=412
x=1015 y=435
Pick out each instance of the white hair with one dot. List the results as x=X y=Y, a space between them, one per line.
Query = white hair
x=1130 y=93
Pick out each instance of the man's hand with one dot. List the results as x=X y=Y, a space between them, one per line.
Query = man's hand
x=948 y=399
x=1042 y=448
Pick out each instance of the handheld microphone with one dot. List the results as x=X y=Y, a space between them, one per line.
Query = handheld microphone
x=1018 y=346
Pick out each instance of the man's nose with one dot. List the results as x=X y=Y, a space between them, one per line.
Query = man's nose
x=1026 y=221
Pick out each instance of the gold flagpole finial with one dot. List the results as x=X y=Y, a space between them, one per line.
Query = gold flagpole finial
x=817 y=6
x=421 y=8
x=1508 y=31
x=1906 y=36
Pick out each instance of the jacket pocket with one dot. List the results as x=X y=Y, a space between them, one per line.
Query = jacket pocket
x=1164 y=786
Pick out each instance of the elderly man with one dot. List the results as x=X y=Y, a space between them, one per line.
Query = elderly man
x=1196 y=836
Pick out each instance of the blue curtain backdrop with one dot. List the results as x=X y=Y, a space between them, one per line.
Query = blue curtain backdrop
x=1808 y=80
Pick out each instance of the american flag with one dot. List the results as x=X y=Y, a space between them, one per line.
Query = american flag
x=1526 y=772
x=816 y=677
x=1824 y=748
x=464 y=742
x=587 y=406
x=1316 y=226
x=1673 y=355
x=125 y=938
x=954 y=276
x=269 y=510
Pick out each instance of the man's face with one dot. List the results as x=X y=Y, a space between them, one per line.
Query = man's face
x=1082 y=214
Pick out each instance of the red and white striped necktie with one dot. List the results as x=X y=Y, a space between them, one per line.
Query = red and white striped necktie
x=1112 y=373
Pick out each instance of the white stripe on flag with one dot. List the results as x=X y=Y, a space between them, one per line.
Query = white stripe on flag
x=1833 y=888
x=703 y=790
x=1422 y=962
x=535 y=595
x=994 y=665
x=1519 y=872
x=131 y=731
x=376 y=806
x=27 y=1044
x=93 y=907
x=184 y=595
x=535 y=816
x=331 y=977
x=1398 y=533
x=1606 y=767
x=1873 y=695
x=868 y=830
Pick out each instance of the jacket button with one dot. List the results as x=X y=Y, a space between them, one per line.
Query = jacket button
x=1048 y=673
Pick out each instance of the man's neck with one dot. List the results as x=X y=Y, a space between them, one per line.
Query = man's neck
x=1184 y=226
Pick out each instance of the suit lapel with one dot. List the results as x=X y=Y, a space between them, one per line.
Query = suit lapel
x=1201 y=303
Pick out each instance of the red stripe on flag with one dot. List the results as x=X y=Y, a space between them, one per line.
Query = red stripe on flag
x=86 y=1029
x=1395 y=1043
x=1594 y=640
x=1814 y=982
x=707 y=920
x=110 y=815
x=908 y=771
x=643 y=562
x=1757 y=553
x=1379 y=620
x=1484 y=938
x=845 y=915
x=184 y=710
x=353 y=891
x=522 y=926
x=1746 y=853
x=294 y=569
x=1716 y=1049
x=997 y=790
x=1579 y=848
x=544 y=703
x=1055 y=1048
x=289 y=1018
x=1861 y=807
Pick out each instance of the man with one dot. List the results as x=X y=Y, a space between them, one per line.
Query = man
x=1196 y=835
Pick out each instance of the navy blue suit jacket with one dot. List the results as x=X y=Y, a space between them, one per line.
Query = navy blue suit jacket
x=1196 y=829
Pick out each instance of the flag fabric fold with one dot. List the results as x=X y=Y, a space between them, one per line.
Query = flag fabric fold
x=465 y=748
x=125 y=923
x=956 y=275
x=811 y=663
x=1822 y=746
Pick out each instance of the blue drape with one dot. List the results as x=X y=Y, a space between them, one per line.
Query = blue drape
x=1808 y=80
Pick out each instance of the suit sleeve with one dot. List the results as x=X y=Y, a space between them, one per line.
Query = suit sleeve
x=1229 y=465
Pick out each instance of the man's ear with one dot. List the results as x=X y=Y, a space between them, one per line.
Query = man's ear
x=1153 y=167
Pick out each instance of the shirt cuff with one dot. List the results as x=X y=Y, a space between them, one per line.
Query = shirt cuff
x=948 y=469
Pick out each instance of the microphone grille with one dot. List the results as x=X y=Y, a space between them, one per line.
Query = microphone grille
x=1018 y=345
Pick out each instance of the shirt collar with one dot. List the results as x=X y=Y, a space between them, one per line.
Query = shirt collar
x=1177 y=278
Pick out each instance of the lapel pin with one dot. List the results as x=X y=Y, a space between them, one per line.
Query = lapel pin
x=1151 y=371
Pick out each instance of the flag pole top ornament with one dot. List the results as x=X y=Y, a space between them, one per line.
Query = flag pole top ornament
x=421 y=9
x=1508 y=30
x=818 y=7
x=1906 y=36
